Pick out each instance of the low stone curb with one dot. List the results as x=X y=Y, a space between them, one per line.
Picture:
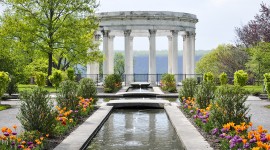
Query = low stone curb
x=80 y=138
x=187 y=133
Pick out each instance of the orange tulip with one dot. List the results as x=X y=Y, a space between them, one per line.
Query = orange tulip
x=15 y=127
x=244 y=141
x=268 y=137
x=4 y=129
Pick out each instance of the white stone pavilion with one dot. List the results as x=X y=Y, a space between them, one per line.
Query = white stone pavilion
x=150 y=24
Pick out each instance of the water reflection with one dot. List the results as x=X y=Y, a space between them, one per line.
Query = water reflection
x=133 y=129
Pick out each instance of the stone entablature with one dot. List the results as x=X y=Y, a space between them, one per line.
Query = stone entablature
x=142 y=21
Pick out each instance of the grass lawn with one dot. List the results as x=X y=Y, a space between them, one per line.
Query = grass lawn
x=267 y=106
x=254 y=88
x=22 y=87
x=3 y=107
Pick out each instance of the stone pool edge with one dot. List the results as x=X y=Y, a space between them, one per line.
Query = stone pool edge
x=80 y=138
x=190 y=138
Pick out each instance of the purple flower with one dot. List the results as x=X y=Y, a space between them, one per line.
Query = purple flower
x=6 y=134
x=252 y=140
x=264 y=139
x=76 y=111
x=232 y=144
x=19 y=146
x=214 y=131
x=223 y=130
x=12 y=143
x=191 y=111
x=14 y=133
x=195 y=116
x=228 y=137
x=246 y=146
x=239 y=140
x=204 y=120
x=185 y=106
x=29 y=143
x=222 y=135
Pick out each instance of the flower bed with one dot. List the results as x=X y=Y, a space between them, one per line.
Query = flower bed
x=230 y=135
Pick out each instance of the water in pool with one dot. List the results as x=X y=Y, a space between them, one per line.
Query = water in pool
x=136 y=129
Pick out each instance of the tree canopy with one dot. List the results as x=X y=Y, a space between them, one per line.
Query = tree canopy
x=256 y=30
x=62 y=31
x=225 y=58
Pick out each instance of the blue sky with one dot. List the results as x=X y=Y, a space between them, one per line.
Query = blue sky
x=217 y=18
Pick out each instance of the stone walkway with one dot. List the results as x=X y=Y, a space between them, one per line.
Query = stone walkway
x=8 y=116
x=260 y=114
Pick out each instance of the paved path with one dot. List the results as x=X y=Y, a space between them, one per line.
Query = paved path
x=260 y=114
x=8 y=116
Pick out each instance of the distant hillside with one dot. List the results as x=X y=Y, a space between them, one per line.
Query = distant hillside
x=141 y=61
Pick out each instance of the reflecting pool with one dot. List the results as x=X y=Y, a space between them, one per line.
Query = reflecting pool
x=136 y=129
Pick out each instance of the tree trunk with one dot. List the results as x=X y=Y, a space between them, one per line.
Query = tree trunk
x=49 y=69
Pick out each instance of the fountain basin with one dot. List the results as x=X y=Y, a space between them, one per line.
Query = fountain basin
x=140 y=84
x=135 y=103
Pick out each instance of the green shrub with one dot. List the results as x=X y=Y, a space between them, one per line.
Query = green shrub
x=267 y=83
x=189 y=87
x=56 y=78
x=223 y=78
x=240 y=78
x=209 y=76
x=71 y=74
x=12 y=86
x=112 y=83
x=87 y=89
x=229 y=106
x=4 y=80
x=168 y=83
x=40 y=78
x=67 y=95
x=36 y=111
x=205 y=93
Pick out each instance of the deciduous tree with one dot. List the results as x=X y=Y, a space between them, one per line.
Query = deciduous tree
x=256 y=30
x=62 y=30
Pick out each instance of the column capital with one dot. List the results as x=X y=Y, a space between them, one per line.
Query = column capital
x=105 y=33
x=189 y=34
x=152 y=31
x=97 y=37
x=111 y=36
x=174 y=32
x=127 y=32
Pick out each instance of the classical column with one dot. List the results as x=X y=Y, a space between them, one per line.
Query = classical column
x=128 y=57
x=111 y=55
x=170 y=54
x=93 y=67
x=192 y=48
x=185 y=49
x=187 y=59
x=106 y=51
x=131 y=56
x=175 y=53
x=152 y=57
